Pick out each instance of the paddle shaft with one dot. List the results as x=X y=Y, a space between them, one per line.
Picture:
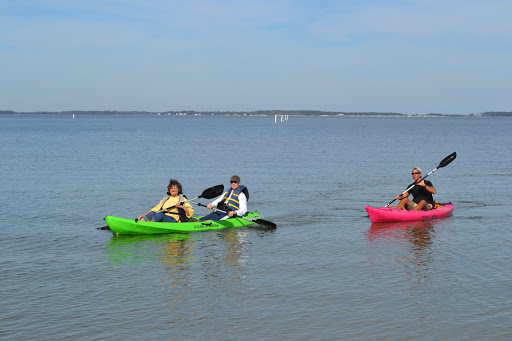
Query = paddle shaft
x=261 y=222
x=216 y=209
x=170 y=208
x=408 y=189
x=445 y=162
x=207 y=194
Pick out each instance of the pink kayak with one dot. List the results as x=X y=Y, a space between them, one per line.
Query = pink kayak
x=381 y=214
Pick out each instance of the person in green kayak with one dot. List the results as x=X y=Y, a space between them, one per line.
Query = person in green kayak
x=234 y=201
x=421 y=192
x=174 y=201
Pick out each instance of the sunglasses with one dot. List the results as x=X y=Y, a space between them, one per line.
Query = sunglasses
x=234 y=182
x=415 y=173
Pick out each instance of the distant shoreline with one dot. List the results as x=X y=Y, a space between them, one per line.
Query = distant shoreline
x=257 y=113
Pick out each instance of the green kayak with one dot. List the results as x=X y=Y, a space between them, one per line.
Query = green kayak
x=130 y=226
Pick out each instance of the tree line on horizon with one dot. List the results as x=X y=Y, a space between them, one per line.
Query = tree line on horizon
x=258 y=112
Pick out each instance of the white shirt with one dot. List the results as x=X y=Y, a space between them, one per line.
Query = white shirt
x=242 y=199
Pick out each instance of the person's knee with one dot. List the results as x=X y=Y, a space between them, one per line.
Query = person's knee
x=168 y=219
x=421 y=205
x=149 y=216
x=158 y=217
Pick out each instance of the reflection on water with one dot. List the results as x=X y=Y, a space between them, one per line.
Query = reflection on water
x=418 y=232
x=179 y=253
x=236 y=243
x=417 y=255
x=223 y=259
x=178 y=256
x=410 y=244
x=124 y=249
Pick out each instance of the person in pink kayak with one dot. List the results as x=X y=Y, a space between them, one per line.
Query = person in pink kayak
x=421 y=192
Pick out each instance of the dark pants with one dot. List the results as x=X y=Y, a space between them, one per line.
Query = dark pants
x=214 y=216
x=159 y=216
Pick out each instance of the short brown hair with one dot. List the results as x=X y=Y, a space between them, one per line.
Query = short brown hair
x=176 y=183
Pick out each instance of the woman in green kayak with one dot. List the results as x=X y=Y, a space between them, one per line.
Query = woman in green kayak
x=172 y=208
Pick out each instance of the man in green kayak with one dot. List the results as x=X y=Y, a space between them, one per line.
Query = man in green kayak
x=421 y=192
x=234 y=202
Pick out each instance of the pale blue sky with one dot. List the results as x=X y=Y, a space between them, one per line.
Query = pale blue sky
x=406 y=56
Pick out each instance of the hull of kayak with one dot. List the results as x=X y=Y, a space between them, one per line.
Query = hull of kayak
x=130 y=226
x=381 y=214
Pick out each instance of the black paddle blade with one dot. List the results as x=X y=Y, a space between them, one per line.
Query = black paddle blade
x=103 y=228
x=265 y=223
x=212 y=192
x=446 y=161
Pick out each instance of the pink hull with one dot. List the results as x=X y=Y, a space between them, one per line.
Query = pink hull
x=382 y=214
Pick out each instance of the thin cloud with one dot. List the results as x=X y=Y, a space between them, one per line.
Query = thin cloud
x=325 y=55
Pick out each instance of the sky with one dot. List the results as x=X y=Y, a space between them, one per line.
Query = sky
x=404 y=56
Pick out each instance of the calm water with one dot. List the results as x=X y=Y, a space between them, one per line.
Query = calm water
x=326 y=273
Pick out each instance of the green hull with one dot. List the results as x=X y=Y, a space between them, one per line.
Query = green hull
x=129 y=226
